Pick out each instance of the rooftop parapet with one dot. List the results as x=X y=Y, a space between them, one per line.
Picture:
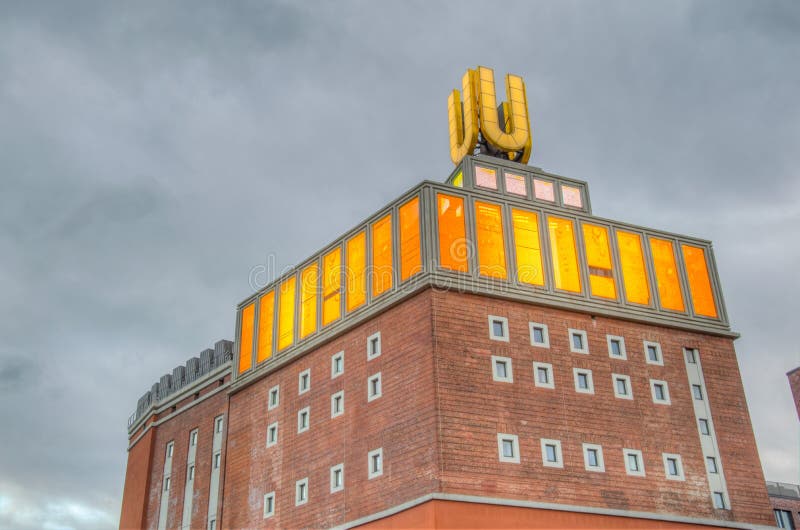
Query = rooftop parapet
x=783 y=489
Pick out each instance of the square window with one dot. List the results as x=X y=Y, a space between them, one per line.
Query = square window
x=374 y=346
x=269 y=504
x=539 y=335
x=578 y=341
x=498 y=328
x=304 y=381
x=218 y=423
x=337 y=364
x=652 y=353
x=593 y=458
x=543 y=375
x=375 y=463
x=660 y=392
x=508 y=448
x=711 y=464
x=515 y=184
x=616 y=347
x=673 y=468
x=544 y=190
x=719 y=501
x=337 y=478
x=704 y=426
x=697 y=392
x=274 y=397
x=337 y=404
x=691 y=355
x=485 y=177
x=551 y=453
x=622 y=386
x=301 y=492
x=193 y=438
x=634 y=463
x=583 y=381
x=272 y=434
x=374 y=387
x=571 y=196
x=217 y=460
x=501 y=369
x=303 y=419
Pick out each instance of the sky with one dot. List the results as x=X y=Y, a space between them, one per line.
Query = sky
x=153 y=154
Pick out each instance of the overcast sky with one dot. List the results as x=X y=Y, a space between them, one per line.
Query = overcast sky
x=151 y=155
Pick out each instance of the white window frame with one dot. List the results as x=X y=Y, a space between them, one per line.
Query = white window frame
x=694 y=394
x=307 y=375
x=271 y=498
x=713 y=461
x=340 y=357
x=374 y=354
x=659 y=353
x=628 y=386
x=640 y=460
x=217 y=462
x=509 y=377
x=719 y=495
x=170 y=449
x=514 y=439
x=298 y=500
x=590 y=381
x=690 y=353
x=274 y=391
x=550 y=381
x=666 y=400
x=307 y=412
x=218 y=424
x=623 y=354
x=700 y=422
x=340 y=395
x=379 y=453
x=334 y=469
x=504 y=321
x=193 y=438
x=601 y=465
x=545 y=334
x=167 y=484
x=370 y=395
x=559 y=463
x=679 y=464
x=272 y=427
x=584 y=341
x=190 y=472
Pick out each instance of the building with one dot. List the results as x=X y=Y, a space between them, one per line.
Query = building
x=483 y=352
x=785 y=498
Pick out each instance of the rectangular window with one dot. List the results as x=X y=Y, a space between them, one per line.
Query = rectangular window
x=375 y=463
x=217 y=460
x=218 y=424
x=673 y=468
x=331 y=286
x=301 y=492
x=356 y=269
x=498 y=328
x=337 y=364
x=528 y=248
x=593 y=458
x=272 y=434
x=711 y=464
x=246 y=338
x=699 y=282
x=690 y=355
x=564 y=254
x=783 y=518
x=374 y=387
x=578 y=341
x=583 y=381
x=697 y=392
x=304 y=381
x=491 y=245
x=303 y=419
x=190 y=474
x=634 y=273
x=543 y=375
x=381 y=270
x=266 y=314
x=501 y=369
x=508 y=448
x=269 y=504
x=600 y=262
x=337 y=478
x=660 y=392
x=167 y=483
x=571 y=196
x=337 y=404
x=309 y=279
x=286 y=313
x=667 y=280
x=169 y=449
x=551 y=453
x=719 y=501
x=193 y=438
x=410 y=257
x=704 y=427
x=453 y=246
x=539 y=335
x=274 y=397
x=634 y=463
x=616 y=347
x=622 y=386
x=373 y=346
x=515 y=184
x=652 y=352
x=544 y=190
x=485 y=177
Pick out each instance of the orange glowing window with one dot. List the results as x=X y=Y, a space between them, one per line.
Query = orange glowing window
x=453 y=249
x=356 y=271
x=598 y=258
x=246 y=338
x=667 y=281
x=699 y=281
x=491 y=247
x=266 y=312
x=566 y=273
x=485 y=177
x=331 y=285
x=458 y=180
x=309 y=279
x=381 y=272
x=529 y=250
x=410 y=258
x=286 y=313
x=634 y=274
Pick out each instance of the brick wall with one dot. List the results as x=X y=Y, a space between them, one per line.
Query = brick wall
x=794 y=384
x=137 y=475
x=790 y=505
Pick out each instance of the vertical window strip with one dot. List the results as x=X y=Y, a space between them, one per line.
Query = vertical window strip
x=667 y=279
x=699 y=281
x=528 y=247
x=634 y=273
x=356 y=294
x=410 y=255
x=266 y=313
x=598 y=258
x=309 y=278
x=246 y=338
x=286 y=313
x=564 y=254
x=453 y=249
x=381 y=272
x=491 y=245
x=331 y=285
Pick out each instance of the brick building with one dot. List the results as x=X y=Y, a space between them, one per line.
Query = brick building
x=785 y=498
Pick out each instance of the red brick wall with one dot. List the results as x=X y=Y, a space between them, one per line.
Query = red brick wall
x=794 y=384
x=474 y=408
x=790 y=505
x=135 y=493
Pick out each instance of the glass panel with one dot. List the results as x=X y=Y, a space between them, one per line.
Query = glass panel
x=634 y=274
x=356 y=271
x=564 y=254
x=309 y=280
x=246 y=338
x=286 y=313
x=529 y=250
x=410 y=258
x=458 y=180
x=699 y=283
x=515 y=184
x=598 y=258
x=667 y=282
x=543 y=190
x=453 y=250
x=266 y=311
x=571 y=196
x=331 y=285
x=381 y=255
x=485 y=177
x=491 y=246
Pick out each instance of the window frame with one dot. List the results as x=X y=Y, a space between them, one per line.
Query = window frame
x=509 y=377
x=712 y=466
x=371 y=472
x=723 y=504
x=658 y=382
x=559 y=463
x=334 y=469
x=274 y=391
x=584 y=341
x=339 y=356
x=659 y=353
x=504 y=322
x=271 y=497
x=626 y=453
x=623 y=356
x=628 y=386
x=376 y=352
x=550 y=379
x=700 y=423
x=545 y=334
x=666 y=457
x=698 y=390
x=298 y=499
x=690 y=355
x=370 y=395
x=272 y=427
x=300 y=378
x=514 y=439
x=576 y=372
x=335 y=413
x=307 y=411
x=601 y=465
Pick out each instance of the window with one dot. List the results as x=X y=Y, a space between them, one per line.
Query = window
x=501 y=369
x=217 y=460
x=652 y=352
x=337 y=404
x=719 y=501
x=304 y=381
x=660 y=392
x=784 y=519
x=272 y=434
x=622 y=386
x=711 y=464
x=303 y=419
x=274 y=397
x=337 y=478
x=673 y=467
x=704 y=426
x=508 y=448
x=551 y=453
x=691 y=355
x=543 y=375
x=193 y=438
x=539 y=335
x=583 y=381
x=167 y=482
x=269 y=504
x=593 y=458
x=190 y=473
x=301 y=492
x=375 y=463
x=218 y=423
x=578 y=342
x=337 y=364
x=373 y=346
x=374 y=387
x=498 y=328
x=616 y=347
x=634 y=463
x=169 y=449
x=697 y=392
x=212 y=524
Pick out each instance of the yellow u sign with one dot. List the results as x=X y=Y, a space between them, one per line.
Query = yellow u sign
x=502 y=130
